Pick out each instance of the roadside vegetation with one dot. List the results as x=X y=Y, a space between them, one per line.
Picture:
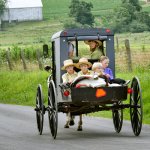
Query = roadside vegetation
x=2 y=6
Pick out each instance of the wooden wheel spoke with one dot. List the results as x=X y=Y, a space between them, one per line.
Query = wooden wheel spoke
x=139 y=112
x=138 y=98
x=132 y=99
x=132 y=112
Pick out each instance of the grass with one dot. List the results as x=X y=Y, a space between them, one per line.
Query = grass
x=147 y=8
x=20 y=87
x=55 y=14
x=29 y=33
x=55 y=9
x=38 y=33
x=137 y=40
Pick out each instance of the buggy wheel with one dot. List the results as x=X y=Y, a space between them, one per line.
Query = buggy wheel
x=52 y=109
x=136 y=106
x=39 y=109
x=117 y=115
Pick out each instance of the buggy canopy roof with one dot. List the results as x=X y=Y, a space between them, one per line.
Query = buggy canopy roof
x=99 y=33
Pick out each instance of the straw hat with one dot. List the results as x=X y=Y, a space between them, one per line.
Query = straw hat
x=97 y=41
x=96 y=65
x=83 y=61
x=67 y=63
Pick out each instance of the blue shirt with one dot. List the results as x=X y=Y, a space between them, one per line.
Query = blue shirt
x=109 y=71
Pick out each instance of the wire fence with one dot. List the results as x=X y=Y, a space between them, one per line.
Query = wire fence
x=126 y=59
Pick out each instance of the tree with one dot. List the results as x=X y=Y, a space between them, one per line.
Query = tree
x=2 y=6
x=134 y=3
x=74 y=8
x=81 y=11
x=143 y=17
x=130 y=17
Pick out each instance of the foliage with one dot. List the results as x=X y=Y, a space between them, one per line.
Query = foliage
x=55 y=15
x=134 y=3
x=23 y=92
x=72 y=24
x=129 y=17
x=143 y=17
x=136 y=26
x=15 y=50
x=2 y=6
x=81 y=11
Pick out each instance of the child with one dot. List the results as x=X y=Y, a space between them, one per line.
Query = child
x=71 y=74
x=107 y=71
x=98 y=68
x=99 y=71
x=68 y=78
x=84 y=65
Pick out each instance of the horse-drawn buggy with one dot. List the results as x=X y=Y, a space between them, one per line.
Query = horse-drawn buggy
x=84 y=100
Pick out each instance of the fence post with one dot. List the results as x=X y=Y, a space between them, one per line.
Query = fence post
x=129 y=61
x=117 y=44
x=38 y=59
x=45 y=50
x=8 y=58
x=0 y=24
x=23 y=59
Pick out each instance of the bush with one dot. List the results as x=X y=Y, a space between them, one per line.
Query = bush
x=15 y=52
x=29 y=53
x=2 y=55
x=137 y=27
x=71 y=24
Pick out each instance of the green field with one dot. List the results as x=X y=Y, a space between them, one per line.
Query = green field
x=100 y=7
x=19 y=87
x=56 y=9
x=55 y=14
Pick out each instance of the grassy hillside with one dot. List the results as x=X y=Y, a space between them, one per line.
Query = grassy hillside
x=55 y=13
x=29 y=33
x=55 y=9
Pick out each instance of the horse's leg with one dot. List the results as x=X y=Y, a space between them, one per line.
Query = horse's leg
x=80 y=123
x=68 y=120
x=71 y=123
